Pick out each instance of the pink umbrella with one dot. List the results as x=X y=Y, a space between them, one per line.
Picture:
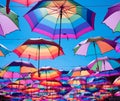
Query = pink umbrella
x=112 y=18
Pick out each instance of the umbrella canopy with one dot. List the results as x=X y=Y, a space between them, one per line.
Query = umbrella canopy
x=80 y=72
x=94 y=46
x=59 y=19
x=104 y=64
x=8 y=22
x=113 y=13
x=46 y=73
x=3 y=50
x=37 y=48
x=16 y=69
x=51 y=83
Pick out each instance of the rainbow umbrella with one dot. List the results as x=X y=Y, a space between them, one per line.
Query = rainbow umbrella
x=46 y=73
x=80 y=72
x=51 y=83
x=96 y=45
x=3 y=50
x=77 y=82
x=104 y=64
x=92 y=80
x=8 y=22
x=17 y=69
x=113 y=13
x=37 y=48
x=59 y=19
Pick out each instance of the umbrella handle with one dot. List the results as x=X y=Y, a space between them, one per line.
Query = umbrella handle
x=7 y=6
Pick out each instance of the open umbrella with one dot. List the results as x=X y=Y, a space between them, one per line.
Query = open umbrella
x=94 y=45
x=8 y=22
x=104 y=64
x=17 y=69
x=37 y=49
x=46 y=73
x=60 y=19
x=3 y=50
x=113 y=13
x=80 y=72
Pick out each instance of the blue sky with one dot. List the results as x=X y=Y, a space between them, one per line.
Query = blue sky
x=69 y=60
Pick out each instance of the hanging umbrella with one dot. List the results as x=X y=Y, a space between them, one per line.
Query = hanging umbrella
x=92 y=80
x=17 y=69
x=59 y=19
x=3 y=50
x=37 y=49
x=80 y=72
x=113 y=13
x=51 y=83
x=104 y=64
x=46 y=73
x=8 y=22
x=96 y=45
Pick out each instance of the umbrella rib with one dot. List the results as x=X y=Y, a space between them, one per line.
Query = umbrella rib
x=71 y=24
x=49 y=51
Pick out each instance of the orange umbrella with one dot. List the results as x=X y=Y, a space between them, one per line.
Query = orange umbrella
x=46 y=73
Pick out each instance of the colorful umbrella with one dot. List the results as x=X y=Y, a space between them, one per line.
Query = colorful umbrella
x=94 y=46
x=8 y=22
x=51 y=83
x=59 y=19
x=113 y=13
x=92 y=80
x=17 y=69
x=3 y=50
x=37 y=48
x=46 y=73
x=104 y=64
x=80 y=72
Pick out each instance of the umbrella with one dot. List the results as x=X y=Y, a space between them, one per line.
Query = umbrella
x=37 y=48
x=59 y=19
x=46 y=73
x=51 y=83
x=8 y=22
x=80 y=72
x=113 y=13
x=17 y=69
x=104 y=64
x=3 y=50
x=94 y=45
